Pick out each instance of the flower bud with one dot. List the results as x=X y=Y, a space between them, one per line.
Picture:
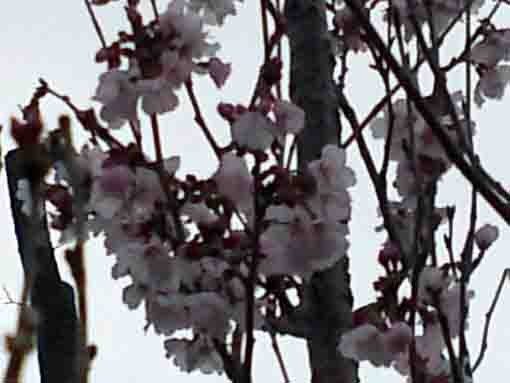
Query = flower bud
x=486 y=235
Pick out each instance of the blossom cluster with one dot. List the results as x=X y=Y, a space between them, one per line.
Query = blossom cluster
x=488 y=56
x=191 y=247
x=414 y=146
x=182 y=245
x=386 y=345
x=162 y=61
x=203 y=255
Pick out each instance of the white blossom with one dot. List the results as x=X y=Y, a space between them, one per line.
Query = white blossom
x=235 y=182
x=197 y=354
x=492 y=84
x=290 y=118
x=119 y=97
x=432 y=282
x=254 y=131
x=214 y=11
x=366 y=342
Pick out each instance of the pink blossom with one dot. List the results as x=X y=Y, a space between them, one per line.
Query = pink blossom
x=254 y=131
x=199 y=213
x=159 y=100
x=432 y=282
x=331 y=172
x=493 y=49
x=119 y=97
x=290 y=118
x=294 y=244
x=449 y=304
x=187 y=27
x=492 y=84
x=366 y=342
x=235 y=182
x=197 y=354
x=214 y=11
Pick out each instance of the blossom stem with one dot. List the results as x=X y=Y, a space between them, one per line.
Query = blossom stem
x=137 y=135
x=155 y=9
x=161 y=173
x=278 y=353
x=265 y=30
x=96 y=23
x=279 y=54
x=252 y=278
x=488 y=317
x=199 y=119
x=157 y=138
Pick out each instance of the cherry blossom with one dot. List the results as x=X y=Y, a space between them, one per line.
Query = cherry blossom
x=289 y=117
x=311 y=236
x=214 y=11
x=235 y=182
x=429 y=347
x=253 y=131
x=201 y=254
x=493 y=49
x=294 y=244
x=119 y=97
x=367 y=342
x=432 y=283
x=199 y=213
x=492 y=84
x=449 y=305
x=196 y=354
x=187 y=27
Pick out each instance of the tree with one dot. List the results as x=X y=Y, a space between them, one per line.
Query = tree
x=243 y=242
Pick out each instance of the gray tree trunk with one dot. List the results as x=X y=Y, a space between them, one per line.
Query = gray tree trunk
x=328 y=297
x=57 y=332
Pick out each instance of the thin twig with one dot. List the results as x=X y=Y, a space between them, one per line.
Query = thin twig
x=467 y=170
x=10 y=300
x=97 y=27
x=378 y=107
x=265 y=30
x=155 y=9
x=279 y=356
x=156 y=138
x=488 y=317
x=251 y=281
x=20 y=343
x=199 y=119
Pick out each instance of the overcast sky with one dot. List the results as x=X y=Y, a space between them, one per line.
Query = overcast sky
x=55 y=40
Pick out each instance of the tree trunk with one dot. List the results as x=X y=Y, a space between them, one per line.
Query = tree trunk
x=328 y=293
x=53 y=299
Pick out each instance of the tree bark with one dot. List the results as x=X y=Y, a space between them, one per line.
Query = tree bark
x=327 y=295
x=53 y=299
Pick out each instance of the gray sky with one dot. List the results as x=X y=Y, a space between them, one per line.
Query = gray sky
x=55 y=40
